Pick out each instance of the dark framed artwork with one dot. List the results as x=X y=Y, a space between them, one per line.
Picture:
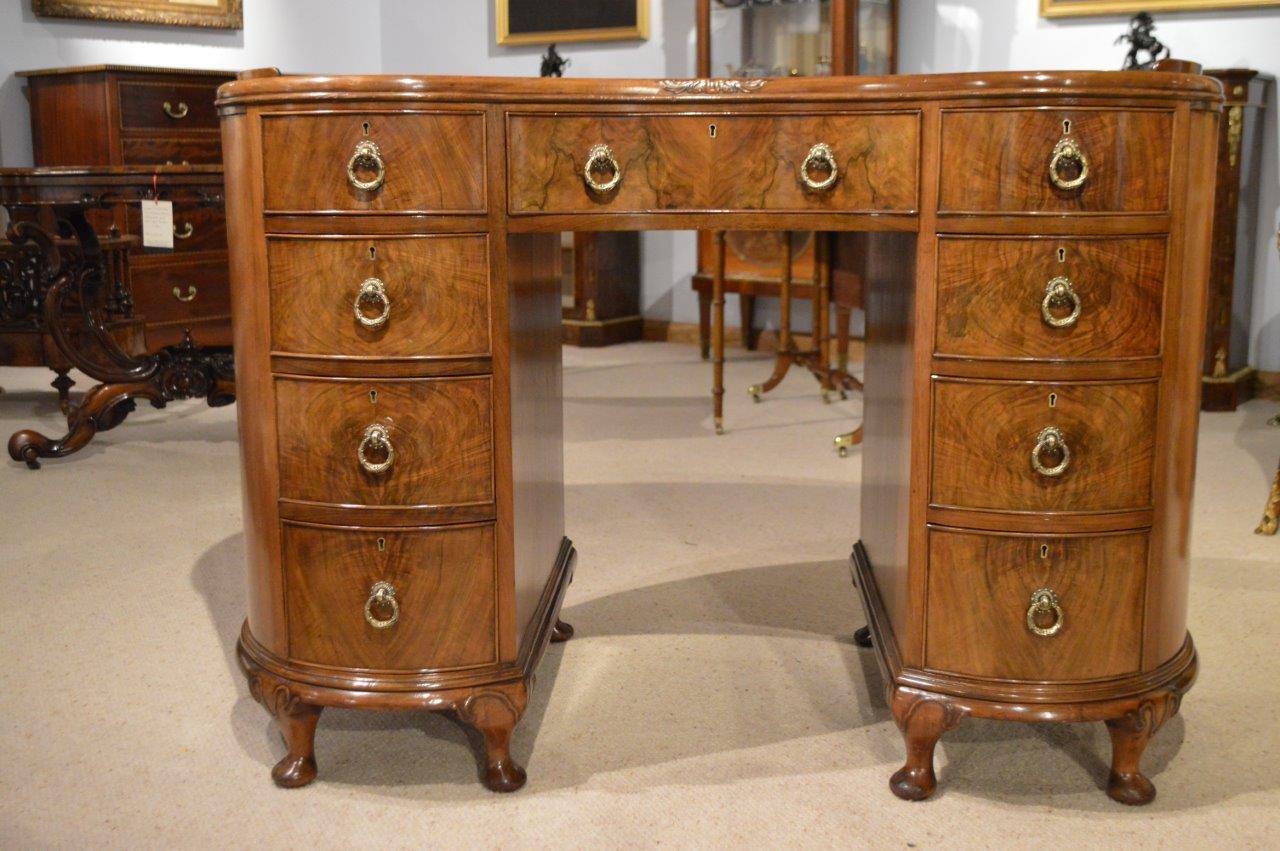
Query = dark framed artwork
x=544 y=21
x=219 y=14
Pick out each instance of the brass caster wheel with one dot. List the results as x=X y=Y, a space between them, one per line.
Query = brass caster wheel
x=842 y=443
x=754 y=392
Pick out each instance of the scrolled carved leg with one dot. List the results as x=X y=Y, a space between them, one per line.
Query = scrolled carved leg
x=494 y=713
x=1130 y=734
x=297 y=722
x=561 y=632
x=922 y=719
x=104 y=407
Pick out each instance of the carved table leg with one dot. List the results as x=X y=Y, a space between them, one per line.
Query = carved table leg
x=704 y=324
x=63 y=384
x=1130 y=734
x=561 y=632
x=786 y=352
x=494 y=714
x=104 y=407
x=297 y=722
x=717 y=336
x=922 y=719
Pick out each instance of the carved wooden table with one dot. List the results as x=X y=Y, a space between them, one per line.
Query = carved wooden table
x=1036 y=261
x=182 y=371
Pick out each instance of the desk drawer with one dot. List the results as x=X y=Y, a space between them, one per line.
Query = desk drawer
x=999 y=161
x=980 y=597
x=426 y=162
x=439 y=431
x=163 y=105
x=195 y=228
x=674 y=162
x=441 y=580
x=985 y=434
x=172 y=288
x=432 y=291
x=1057 y=299
x=202 y=149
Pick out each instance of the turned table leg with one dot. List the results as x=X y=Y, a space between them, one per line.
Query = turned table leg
x=922 y=720
x=1130 y=734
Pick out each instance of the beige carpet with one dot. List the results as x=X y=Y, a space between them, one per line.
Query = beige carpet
x=711 y=697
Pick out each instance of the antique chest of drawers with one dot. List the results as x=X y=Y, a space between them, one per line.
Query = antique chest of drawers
x=119 y=115
x=1035 y=264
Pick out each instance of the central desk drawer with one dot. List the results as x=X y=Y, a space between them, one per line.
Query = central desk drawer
x=999 y=161
x=334 y=436
x=1042 y=446
x=385 y=599
x=658 y=162
x=983 y=604
x=380 y=298
x=1056 y=299
x=374 y=162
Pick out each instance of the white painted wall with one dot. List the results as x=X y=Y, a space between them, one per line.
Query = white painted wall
x=296 y=35
x=988 y=35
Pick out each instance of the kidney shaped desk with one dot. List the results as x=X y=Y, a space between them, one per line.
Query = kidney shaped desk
x=1035 y=312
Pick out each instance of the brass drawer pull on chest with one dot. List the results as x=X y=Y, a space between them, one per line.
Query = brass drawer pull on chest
x=190 y=296
x=1044 y=602
x=366 y=154
x=376 y=437
x=1065 y=152
x=187 y=231
x=382 y=594
x=180 y=112
x=1058 y=293
x=1050 y=440
x=600 y=157
x=373 y=290
x=819 y=155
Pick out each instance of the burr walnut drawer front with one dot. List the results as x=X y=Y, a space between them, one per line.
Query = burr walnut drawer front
x=380 y=298
x=374 y=162
x=1049 y=298
x=1060 y=160
x=1024 y=607
x=164 y=105
x=598 y=163
x=1029 y=446
x=417 y=442
x=412 y=599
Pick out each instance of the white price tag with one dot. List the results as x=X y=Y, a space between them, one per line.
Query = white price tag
x=157 y=224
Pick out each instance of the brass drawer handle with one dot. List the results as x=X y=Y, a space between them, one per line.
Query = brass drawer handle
x=382 y=594
x=1059 y=292
x=367 y=154
x=1044 y=602
x=187 y=230
x=1050 y=440
x=376 y=437
x=820 y=154
x=373 y=290
x=601 y=157
x=1065 y=152
x=190 y=296
x=180 y=112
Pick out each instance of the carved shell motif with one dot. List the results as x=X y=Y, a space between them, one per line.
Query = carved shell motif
x=716 y=86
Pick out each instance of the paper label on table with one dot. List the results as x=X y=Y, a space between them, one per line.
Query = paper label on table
x=157 y=224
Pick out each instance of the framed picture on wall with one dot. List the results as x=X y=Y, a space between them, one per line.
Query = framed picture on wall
x=545 y=21
x=221 y=14
x=1082 y=8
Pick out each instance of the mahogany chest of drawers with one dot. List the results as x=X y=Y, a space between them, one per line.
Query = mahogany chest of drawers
x=119 y=115
x=1036 y=258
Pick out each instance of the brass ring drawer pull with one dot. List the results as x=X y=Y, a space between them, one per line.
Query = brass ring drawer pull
x=187 y=230
x=373 y=290
x=382 y=593
x=601 y=157
x=1050 y=440
x=190 y=296
x=820 y=154
x=376 y=437
x=1044 y=602
x=366 y=154
x=180 y=112
x=1068 y=151
x=1059 y=292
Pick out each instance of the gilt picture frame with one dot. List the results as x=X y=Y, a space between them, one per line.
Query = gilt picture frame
x=216 y=14
x=1085 y=8
x=519 y=22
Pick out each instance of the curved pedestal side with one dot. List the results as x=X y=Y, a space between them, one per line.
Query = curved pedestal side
x=926 y=704
x=489 y=700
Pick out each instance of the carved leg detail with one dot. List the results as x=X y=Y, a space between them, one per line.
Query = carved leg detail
x=63 y=384
x=494 y=715
x=561 y=632
x=297 y=722
x=104 y=407
x=922 y=720
x=1130 y=734
x=862 y=637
